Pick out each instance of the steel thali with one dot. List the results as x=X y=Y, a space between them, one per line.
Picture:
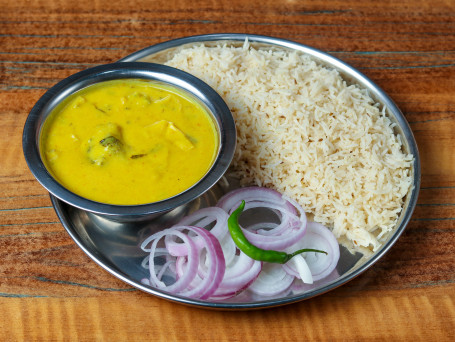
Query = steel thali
x=115 y=246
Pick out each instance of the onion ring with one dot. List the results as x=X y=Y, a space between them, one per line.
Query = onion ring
x=321 y=265
x=188 y=271
x=271 y=281
x=291 y=228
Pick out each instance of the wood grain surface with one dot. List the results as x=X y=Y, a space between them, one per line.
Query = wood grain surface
x=51 y=291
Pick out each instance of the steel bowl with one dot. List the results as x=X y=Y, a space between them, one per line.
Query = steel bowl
x=115 y=246
x=188 y=84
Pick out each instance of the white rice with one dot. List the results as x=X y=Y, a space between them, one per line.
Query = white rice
x=304 y=132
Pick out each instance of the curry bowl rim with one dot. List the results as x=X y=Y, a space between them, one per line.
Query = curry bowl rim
x=188 y=84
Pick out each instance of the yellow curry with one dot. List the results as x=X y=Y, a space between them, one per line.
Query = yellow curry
x=129 y=142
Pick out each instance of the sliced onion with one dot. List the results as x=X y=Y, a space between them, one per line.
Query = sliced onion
x=192 y=262
x=238 y=276
x=275 y=237
x=206 y=216
x=232 y=200
x=277 y=242
x=202 y=218
x=271 y=281
x=229 y=249
x=321 y=265
x=195 y=277
x=286 y=217
x=200 y=260
x=302 y=269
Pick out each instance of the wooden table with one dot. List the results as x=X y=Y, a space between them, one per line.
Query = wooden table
x=50 y=290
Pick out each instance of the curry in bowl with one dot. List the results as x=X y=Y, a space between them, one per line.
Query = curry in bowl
x=129 y=141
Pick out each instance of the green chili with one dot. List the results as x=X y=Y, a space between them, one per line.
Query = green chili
x=251 y=250
x=111 y=143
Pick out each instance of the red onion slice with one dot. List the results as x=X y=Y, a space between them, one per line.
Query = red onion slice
x=232 y=200
x=271 y=281
x=202 y=218
x=276 y=242
x=216 y=267
x=302 y=270
x=195 y=277
x=192 y=262
x=286 y=233
x=318 y=237
x=238 y=276
x=286 y=217
x=229 y=249
x=202 y=261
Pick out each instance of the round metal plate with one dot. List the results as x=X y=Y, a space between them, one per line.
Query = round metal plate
x=115 y=246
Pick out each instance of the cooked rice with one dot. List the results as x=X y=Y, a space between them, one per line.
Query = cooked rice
x=306 y=133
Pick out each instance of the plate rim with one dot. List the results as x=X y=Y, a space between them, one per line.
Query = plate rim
x=410 y=204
